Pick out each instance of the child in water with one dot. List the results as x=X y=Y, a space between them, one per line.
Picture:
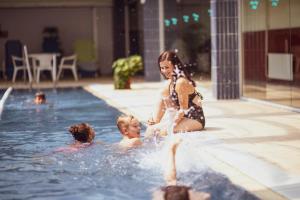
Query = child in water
x=130 y=129
x=172 y=191
x=40 y=98
x=83 y=135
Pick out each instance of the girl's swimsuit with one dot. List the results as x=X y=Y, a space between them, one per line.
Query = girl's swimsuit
x=194 y=111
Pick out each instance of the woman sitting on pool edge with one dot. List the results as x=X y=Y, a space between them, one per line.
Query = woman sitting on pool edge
x=181 y=94
x=83 y=135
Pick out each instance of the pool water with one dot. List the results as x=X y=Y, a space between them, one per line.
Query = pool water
x=31 y=169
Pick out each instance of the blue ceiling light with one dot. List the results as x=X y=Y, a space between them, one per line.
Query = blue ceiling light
x=274 y=3
x=186 y=18
x=254 y=4
x=174 y=21
x=167 y=22
x=196 y=17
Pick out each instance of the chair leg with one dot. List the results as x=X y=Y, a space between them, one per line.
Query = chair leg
x=38 y=76
x=53 y=75
x=75 y=74
x=29 y=75
x=24 y=75
x=14 y=75
x=34 y=73
x=59 y=72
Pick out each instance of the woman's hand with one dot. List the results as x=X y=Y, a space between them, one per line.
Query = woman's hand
x=151 y=121
x=179 y=116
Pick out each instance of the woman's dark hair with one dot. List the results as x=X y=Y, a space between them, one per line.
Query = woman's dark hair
x=176 y=62
x=82 y=132
x=176 y=192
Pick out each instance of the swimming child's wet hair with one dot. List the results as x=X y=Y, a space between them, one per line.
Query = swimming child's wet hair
x=41 y=95
x=82 y=132
x=176 y=192
x=123 y=121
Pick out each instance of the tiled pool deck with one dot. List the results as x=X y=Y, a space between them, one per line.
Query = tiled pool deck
x=260 y=143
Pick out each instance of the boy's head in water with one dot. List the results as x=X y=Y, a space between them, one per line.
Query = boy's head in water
x=130 y=129
x=82 y=132
x=173 y=191
x=176 y=192
x=40 y=98
x=179 y=192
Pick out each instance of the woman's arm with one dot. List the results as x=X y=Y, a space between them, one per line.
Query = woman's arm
x=160 y=107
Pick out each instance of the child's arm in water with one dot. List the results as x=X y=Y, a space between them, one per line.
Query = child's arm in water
x=170 y=170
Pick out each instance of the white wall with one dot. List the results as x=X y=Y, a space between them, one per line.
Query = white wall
x=295 y=13
x=285 y=15
x=279 y=16
x=105 y=38
x=27 y=24
x=254 y=20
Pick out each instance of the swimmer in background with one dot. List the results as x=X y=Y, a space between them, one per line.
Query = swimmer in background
x=40 y=98
x=130 y=128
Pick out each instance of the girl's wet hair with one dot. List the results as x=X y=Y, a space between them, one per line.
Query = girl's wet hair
x=176 y=62
x=176 y=192
x=82 y=132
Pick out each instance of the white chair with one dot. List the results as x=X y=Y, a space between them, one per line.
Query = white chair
x=19 y=64
x=44 y=62
x=68 y=62
x=22 y=64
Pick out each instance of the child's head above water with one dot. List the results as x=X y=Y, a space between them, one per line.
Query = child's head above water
x=129 y=126
x=40 y=98
x=82 y=132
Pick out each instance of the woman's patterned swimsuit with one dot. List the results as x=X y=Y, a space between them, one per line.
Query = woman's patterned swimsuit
x=194 y=111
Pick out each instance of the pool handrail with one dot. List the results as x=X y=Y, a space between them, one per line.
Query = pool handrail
x=27 y=65
x=3 y=99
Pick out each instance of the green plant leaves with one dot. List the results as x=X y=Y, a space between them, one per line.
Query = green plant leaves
x=124 y=68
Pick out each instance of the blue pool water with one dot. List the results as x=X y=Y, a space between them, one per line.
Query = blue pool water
x=30 y=168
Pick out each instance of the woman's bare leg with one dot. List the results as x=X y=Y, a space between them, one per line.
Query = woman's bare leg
x=187 y=125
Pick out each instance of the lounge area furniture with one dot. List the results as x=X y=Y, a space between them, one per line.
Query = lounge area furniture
x=68 y=62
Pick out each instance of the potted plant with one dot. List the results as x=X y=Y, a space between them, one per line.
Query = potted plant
x=124 y=69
